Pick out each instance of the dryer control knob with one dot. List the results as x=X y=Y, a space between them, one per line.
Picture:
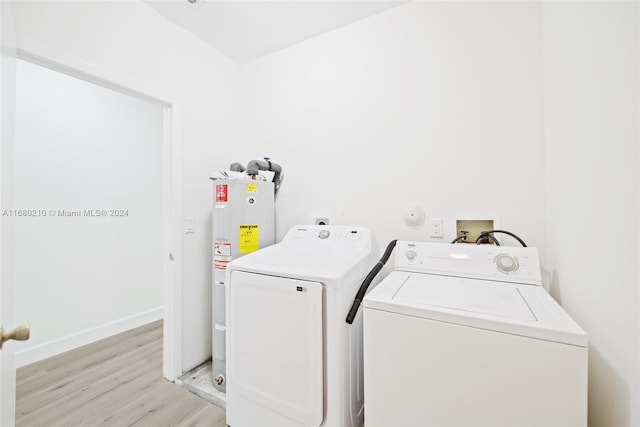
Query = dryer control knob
x=506 y=263
x=411 y=255
x=324 y=234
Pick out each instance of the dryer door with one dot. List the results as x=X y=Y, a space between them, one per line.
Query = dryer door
x=275 y=351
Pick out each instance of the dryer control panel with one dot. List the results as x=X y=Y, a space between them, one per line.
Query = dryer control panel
x=502 y=263
x=317 y=233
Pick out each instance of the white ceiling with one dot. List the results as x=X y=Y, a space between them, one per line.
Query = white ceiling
x=244 y=30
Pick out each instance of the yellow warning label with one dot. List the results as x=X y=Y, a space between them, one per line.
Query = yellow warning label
x=249 y=238
x=252 y=188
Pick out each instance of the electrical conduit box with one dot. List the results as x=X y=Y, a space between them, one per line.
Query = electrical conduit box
x=243 y=222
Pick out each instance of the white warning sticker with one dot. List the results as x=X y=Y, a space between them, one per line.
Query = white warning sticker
x=221 y=255
x=221 y=249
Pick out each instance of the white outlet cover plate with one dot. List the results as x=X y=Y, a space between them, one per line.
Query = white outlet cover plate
x=436 y=228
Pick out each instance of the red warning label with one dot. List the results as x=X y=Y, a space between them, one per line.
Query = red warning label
x=221 y=193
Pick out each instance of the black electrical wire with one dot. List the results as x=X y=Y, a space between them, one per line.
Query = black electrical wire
x=367 y=281
x=490 y=234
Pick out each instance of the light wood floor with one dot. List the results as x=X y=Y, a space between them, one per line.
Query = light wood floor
x=113 y=382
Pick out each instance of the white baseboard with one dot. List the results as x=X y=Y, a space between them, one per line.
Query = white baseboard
x=51 y=348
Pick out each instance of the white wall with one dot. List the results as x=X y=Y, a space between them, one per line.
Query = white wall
x=138 y=48
x=591 y=77
x=433 y=103
x=477 y=107
x=81 y=147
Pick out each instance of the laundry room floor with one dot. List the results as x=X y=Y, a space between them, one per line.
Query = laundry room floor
x=199 y=381
x=112 y=382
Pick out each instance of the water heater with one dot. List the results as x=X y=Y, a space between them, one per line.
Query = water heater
x=243 y=222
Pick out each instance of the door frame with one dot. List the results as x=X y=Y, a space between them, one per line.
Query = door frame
x=171 y=182
x=7 y=128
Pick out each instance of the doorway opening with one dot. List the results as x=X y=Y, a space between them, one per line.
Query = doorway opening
x=97 y=182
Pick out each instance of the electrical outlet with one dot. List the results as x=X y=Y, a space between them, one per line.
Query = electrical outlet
x=436 y=228
x=474 y=227
x=322 y=221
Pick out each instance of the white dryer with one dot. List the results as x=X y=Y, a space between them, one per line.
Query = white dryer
x=292 y=360
x=466 y=335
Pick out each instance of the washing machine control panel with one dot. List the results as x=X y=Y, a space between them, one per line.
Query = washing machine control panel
x=505 y=263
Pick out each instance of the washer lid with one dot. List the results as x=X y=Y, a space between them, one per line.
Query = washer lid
x=518 y=309
x=473 y=296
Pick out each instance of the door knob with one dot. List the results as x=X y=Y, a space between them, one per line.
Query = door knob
x=21 y=333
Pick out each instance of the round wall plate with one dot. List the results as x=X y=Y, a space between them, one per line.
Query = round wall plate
x=414 y=215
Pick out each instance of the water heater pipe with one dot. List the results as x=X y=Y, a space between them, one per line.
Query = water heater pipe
x=255 y=166
x=237 y=167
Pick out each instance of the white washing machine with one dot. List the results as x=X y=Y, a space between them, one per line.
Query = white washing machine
x=292 y=360
x=466 y=335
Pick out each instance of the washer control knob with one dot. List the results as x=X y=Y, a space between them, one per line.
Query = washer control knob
x=324 y=234
x=506 y=263
x=411 y=255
